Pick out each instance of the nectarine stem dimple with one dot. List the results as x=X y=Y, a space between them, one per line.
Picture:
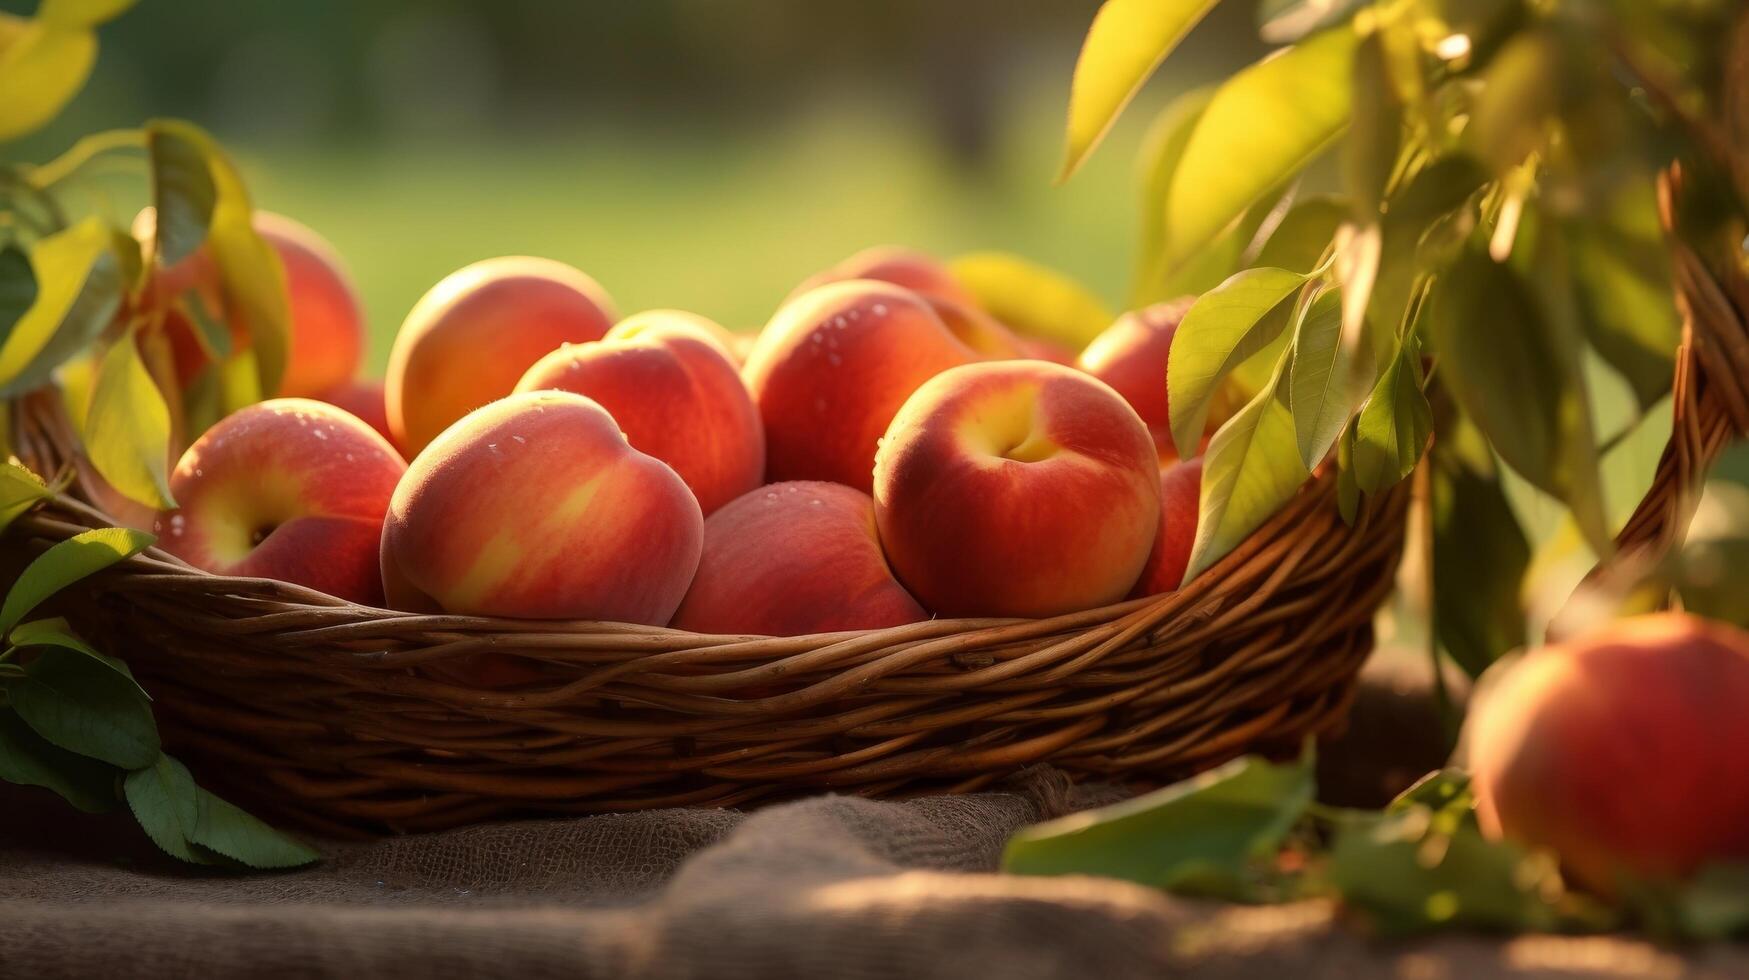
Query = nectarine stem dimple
x=1035 y=448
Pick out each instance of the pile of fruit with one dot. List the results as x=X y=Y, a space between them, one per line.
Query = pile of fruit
x=884 y=450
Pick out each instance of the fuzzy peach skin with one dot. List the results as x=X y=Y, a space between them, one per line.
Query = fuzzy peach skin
x=291 y=489
x=363 y=399
x=914 y=270
x=472 y=337
x=794 y=558
x=1180 y=501
x=676 y=396
x=832 y=368
x=1623 y=750
x=1016 y=488
x=727 y=342
x=1131 y=356
x=327 y=327
x=536 y=507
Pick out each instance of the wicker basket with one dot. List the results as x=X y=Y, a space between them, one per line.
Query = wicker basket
x=340 y=716
x=1710 y=396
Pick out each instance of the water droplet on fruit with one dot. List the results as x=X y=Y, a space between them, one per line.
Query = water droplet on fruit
x=880 y=309
x=519 y=439
x=834 y=360
x=321 y=435
x=771 y=495
x=789 y=489
x=818 y=338
x=492 y=446
x=815 y=501
x=199 y=472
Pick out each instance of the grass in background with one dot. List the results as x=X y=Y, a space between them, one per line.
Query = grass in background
x=721 y=225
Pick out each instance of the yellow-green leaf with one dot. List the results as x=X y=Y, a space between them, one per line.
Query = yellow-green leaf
x=127 y=428
x=1251 y=470
x=1325 y=382
x=79 y=288
x=20 y=490
x=67 y=562
x=1394 y=424
x=1032 y=299
x=1161 y=151
x=82 y=13
x=1128 y=40
x=1262 y=127
x=199 y=196
x=1225 y=327
x=43 y=64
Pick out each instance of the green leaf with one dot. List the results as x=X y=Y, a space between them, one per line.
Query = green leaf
x=79 y=288
x=27 y=759
x=1127 y=41
x=82 y=13
x=1394 y=424
x=166 y=802
x=1710 y=907
x=20 y=490
x=1441 y=790
x=65 y=563
x=1251 y=470
x=1624 y=296
x=1275 y=117
x=17 y=288
x=1322 y=381
x=1411 y=871
x=1517 y=380
x=226 y=830
x=1285 y=21
x=43 y=64
x=1526 y=84
x=1206 y=835
x=85 y=707
x=1370 y=154
x=1220 y=331
x=1347 y=487
x=1305 y=232
x=1032 y=299
x=1228 y=253
x=127 y=428
x=56 y=633
x=1480 y=557
x=200 y=197
x=1161 y=150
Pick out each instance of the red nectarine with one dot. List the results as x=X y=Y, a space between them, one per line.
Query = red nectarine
x=1623 y=750
x=1016 y=488
x=794 y=558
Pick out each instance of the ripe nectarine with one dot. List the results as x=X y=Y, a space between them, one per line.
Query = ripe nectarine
x=832 y=368
x=471 y=338
x=1016 y=488
x=535 y=506
x=794 y=558
x=919 y=272
x=1623 y=750
x=291 y=489
x=1131 y=356
x=675 y=395
x=1180 y=500
x=327 y=327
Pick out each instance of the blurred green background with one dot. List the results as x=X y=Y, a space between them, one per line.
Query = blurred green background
x=697 y=154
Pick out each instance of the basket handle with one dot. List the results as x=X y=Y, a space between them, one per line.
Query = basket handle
x=1710 y=394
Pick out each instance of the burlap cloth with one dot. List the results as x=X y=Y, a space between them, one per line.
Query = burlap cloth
x=830 y=887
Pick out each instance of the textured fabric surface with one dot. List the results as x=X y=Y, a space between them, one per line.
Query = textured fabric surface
x=829 y=887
